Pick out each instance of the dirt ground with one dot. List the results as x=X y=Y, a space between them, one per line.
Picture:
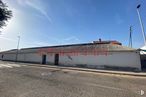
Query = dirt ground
x=26 y=81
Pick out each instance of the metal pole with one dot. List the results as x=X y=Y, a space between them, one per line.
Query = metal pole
x=17 y=48
x=130 y=37
x=141 y=23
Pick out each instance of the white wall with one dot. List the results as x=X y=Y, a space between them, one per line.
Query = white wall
x=118 y=59
x=50 y=59
x=33 y=57
x=21 y=57
x=11 y=57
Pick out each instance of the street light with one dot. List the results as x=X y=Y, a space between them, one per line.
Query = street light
x=17 y=48
x=141 y=24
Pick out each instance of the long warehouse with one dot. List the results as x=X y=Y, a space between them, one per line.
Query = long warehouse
x=99 y=54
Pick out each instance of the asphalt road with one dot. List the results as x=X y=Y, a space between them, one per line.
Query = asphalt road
x=17 y=80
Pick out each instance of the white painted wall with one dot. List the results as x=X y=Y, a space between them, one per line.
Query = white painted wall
x=118 y=59
x=11 y=57
x=33 y=57
x=50 y=59
x=21 y=57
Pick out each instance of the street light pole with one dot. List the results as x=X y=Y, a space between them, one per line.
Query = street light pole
x=17 y=48
x=141 y=24
x=130 y=37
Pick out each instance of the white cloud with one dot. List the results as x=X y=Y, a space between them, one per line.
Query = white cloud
x=37 y=5
x=58 y=41
x=8 y=39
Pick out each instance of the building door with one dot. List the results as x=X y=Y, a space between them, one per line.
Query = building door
x=43 y=59
x=56 y=59
x=2 y=56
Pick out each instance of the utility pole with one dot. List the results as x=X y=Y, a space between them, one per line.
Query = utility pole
x=17 y=48
x=141 y=24
x=130 y=37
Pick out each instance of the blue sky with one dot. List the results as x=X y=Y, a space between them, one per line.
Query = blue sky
x=55 y=22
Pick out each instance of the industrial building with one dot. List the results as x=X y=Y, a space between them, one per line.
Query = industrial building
x=99 y=54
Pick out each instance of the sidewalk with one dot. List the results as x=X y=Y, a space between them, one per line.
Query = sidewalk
x=140 y=74
x=129 y=73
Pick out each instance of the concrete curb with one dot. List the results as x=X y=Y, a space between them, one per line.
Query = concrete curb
x=139 y=74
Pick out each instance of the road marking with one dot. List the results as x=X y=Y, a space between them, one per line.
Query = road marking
x=107 y=87
x=4 y=65
x=9 y=65
x=15 y=65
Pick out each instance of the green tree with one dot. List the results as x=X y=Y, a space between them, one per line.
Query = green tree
x=5 y=14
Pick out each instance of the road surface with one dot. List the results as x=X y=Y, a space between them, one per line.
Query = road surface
x=17 y=80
